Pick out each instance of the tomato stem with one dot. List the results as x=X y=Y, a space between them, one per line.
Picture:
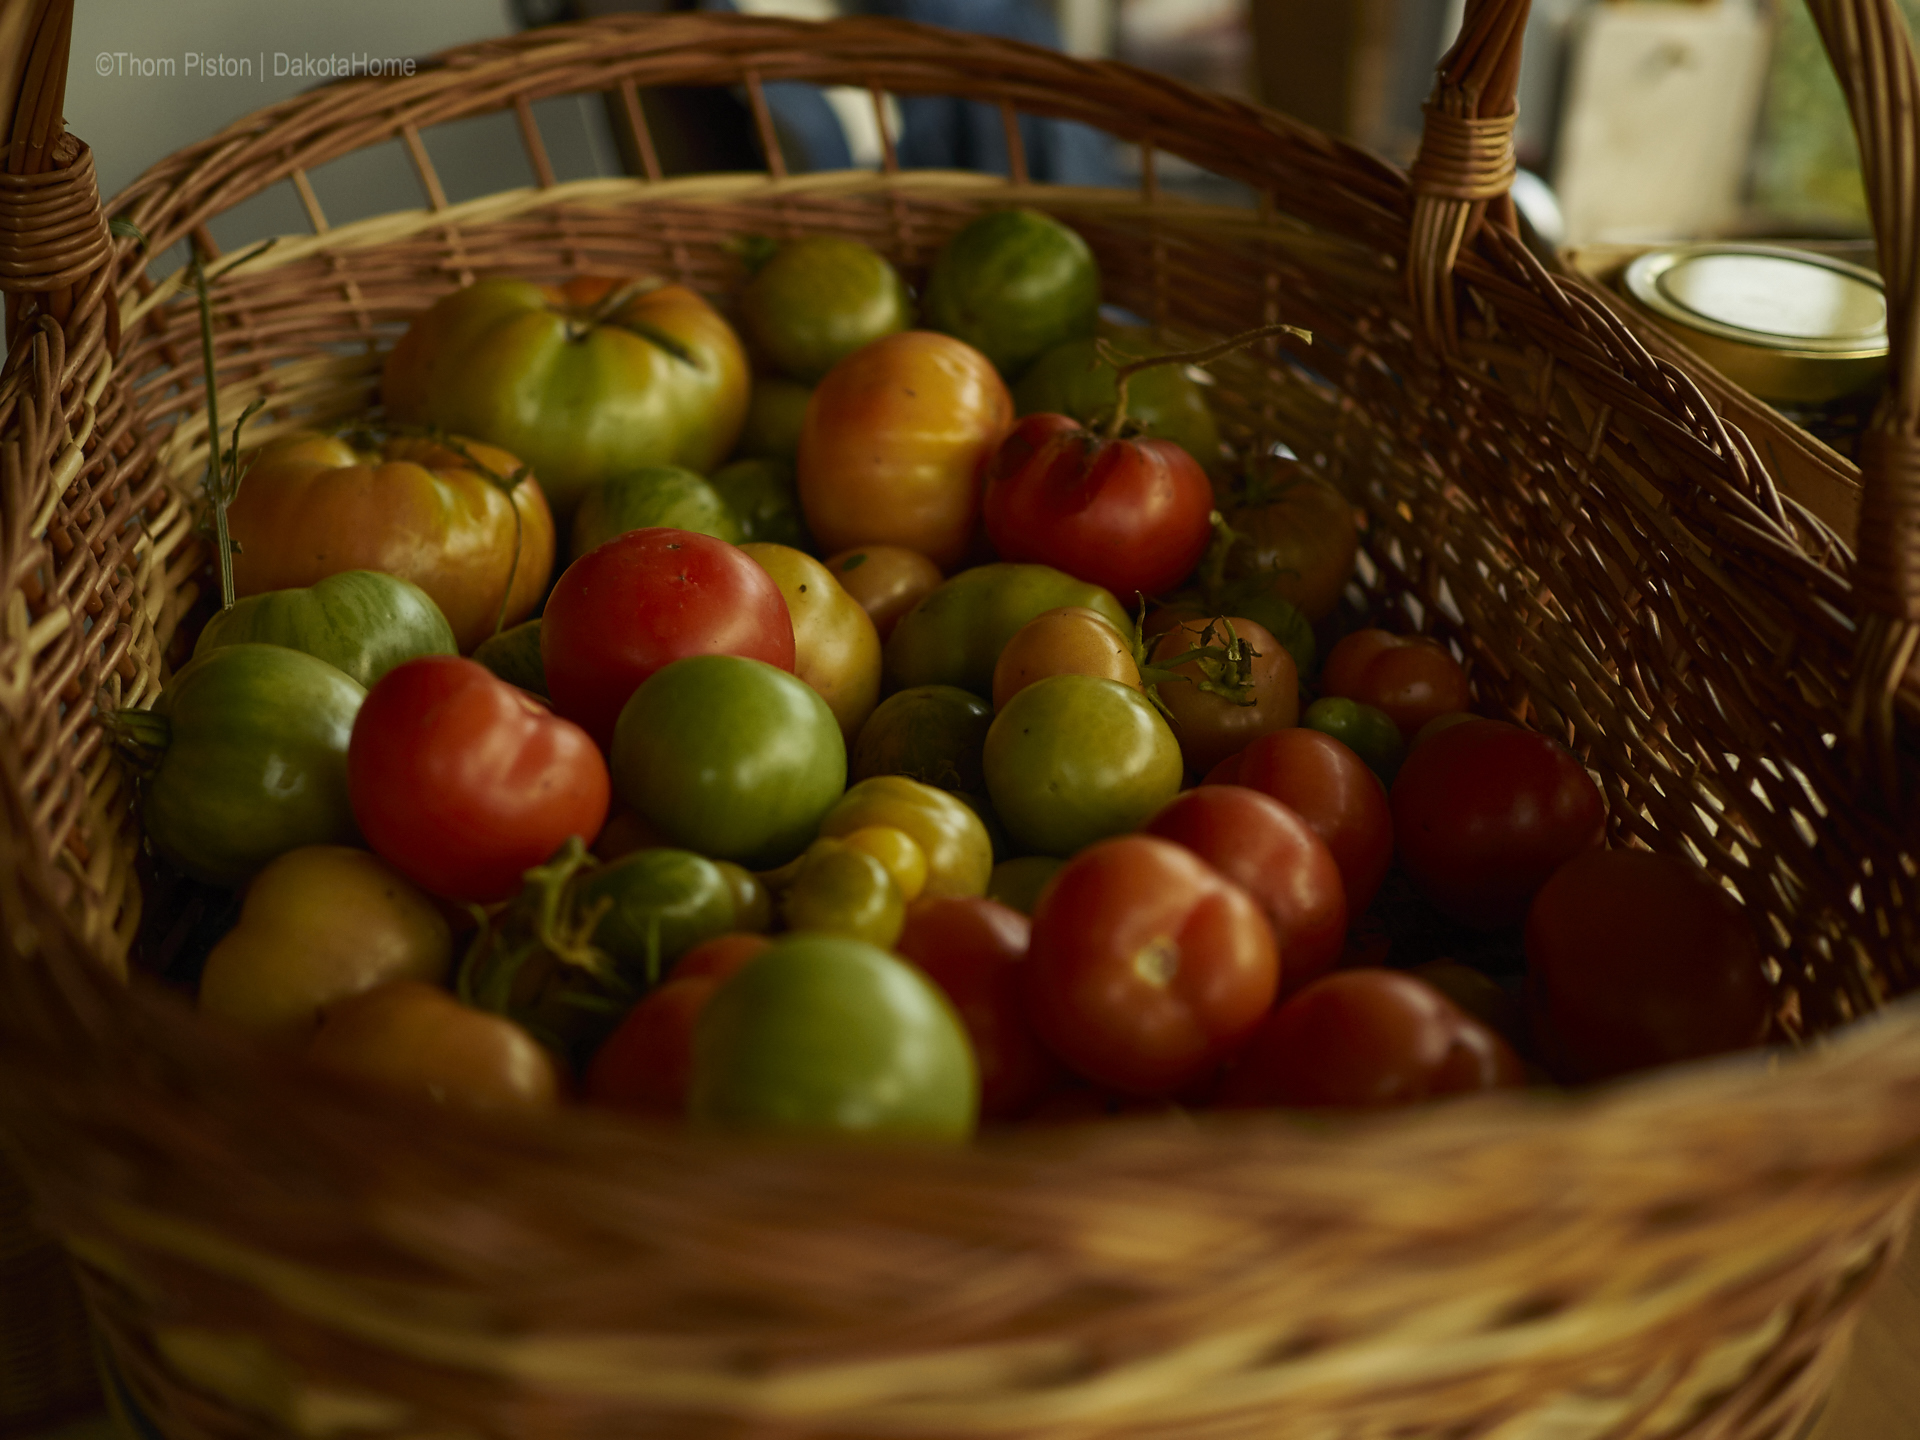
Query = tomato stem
x=223 y=469
x=1124 y=371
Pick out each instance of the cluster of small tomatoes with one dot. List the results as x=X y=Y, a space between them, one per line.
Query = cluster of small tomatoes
x=833 y=784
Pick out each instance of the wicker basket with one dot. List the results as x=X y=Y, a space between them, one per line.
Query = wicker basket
x=1680 y=1255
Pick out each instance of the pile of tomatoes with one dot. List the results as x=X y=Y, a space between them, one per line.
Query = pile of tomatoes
x=881 y=748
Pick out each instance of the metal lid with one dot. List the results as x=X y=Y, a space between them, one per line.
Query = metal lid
x=1788 y=324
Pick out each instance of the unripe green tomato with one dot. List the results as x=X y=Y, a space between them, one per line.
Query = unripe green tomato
x=762 y=497
x=1013 y=284
x=1074 y=758
x=839 y=890
x=931 y=733
x=660 y=903
x=361 y=622
x=819 y=1034
x=956 y=634
x=1367 y=731
x=514 y=655
x=819 y=299
x=776 y=411
x=649 y=496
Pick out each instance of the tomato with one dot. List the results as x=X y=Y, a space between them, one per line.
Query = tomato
x=1256 y=672
x=1074 y=759
x=822 y=1034
x=839 y=889
x=956 y=634
x=514 y=656
x=1364 y=729
x=931 y=733
x=1072 y=640
x=1017 y=883
x=463 y=783
x=898 y=852
x=659 y=903
x=457 y=518
x=645 y=599
x=719 y=957
x=1484 y=812
x=1411 y=678
x=1275 y=856
x=1367 y=1038
x=836 y=650
x=645 y=1065
x=1132 y=516
x=358 y=621
x=1478 y=995
x=414 y=1040
x=765 y=505
x=1014 y=283
x=776 y=413
x=752 y=901
x=651 y=497
x=1146 y=966
x=248 y=753
x=972 y=948
x=887 y=580
x=894 y=443
x=581 y=380
x=319 y=924
x=819 y=299
x=1636 y=959
x=730 y=757
x=1281 y=619
x=950 y=835
x=1331 y=789
x=1074 y=378
x=1299 y=537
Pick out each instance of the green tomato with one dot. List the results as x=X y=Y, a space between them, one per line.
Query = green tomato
x=733 y=758
x=1017 y=883
x=955 y=635
x=823 y=1035
x=1073 y=379
x=1013 y=284
x=931 y=733
x=514 y=655
x=1368 y=732
x=361 y=622
x=762 y=497
x=839 y=890
x=660 y=904
x=252 y=760
x=653 y=495
x=776 y=409
x=1073 y=759
x=819 y=299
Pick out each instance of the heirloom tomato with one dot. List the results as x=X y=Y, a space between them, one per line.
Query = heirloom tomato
x=1367 y=1038
x=1014 y=283
x=1274 y=855
x=1330 y=788
x=894 y=444
x=1132 y=516
x=819 y=299
x=950 y=835
x=1072 y=640
x=836 y=650
x=461 y=520
x=1163 y=401
x=818 y=1034
x=1239 y=684
x=1408 y=677
x=887 y=580
x=761 y=495
x=1636 y=959
x=1074 y=759
x=1146 y=967
x=464 y=783
x=1297 y=536
x=359 y=621
x=931 y=733
x=731 y=757
x=581 y=380
x=1484 y=812
x=650 y=498
x=248 y=748
x=416 y=1040
x=839 y=889
x=645 y=599
x=956 y=634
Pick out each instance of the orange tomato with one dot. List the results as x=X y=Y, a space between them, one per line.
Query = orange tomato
x=887 y=580
x=835 y=647
x=413 y=1039
x=1071 y=640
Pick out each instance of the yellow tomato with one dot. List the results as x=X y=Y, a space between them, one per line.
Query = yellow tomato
x=835 y=647
x=413 y=1039
x=958 y=849
x=905 y=861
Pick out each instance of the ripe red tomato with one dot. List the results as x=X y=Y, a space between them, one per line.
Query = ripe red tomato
x=462 y=782
x=645 y=1065
x=972 y=948
x=1366 y=1038
x=1211 y=727
x=1147 y=967
x=1128 y=515
x=1484 y=812
x=643 y=600
x=1274 y=855
x=1410 y=677
x=1636 y=959
x=1331 y=789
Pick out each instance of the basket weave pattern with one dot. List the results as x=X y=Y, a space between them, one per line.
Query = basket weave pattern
x=1678 y=1256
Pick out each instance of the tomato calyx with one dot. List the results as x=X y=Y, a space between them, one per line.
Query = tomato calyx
x=1226 y=669
x=141 y=737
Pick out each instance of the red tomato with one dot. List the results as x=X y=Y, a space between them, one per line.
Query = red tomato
x=1274 y=855
x=645 y=1065
x=643 y=600
x=1366 y=1038
x=1410 y=677
x=1331 y=789
x=1147 y=967
x=1484 y=812
x=462 y=782
x=971 y=947
x=1129 y=515
x=1211 y=727
x=1636 y=959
